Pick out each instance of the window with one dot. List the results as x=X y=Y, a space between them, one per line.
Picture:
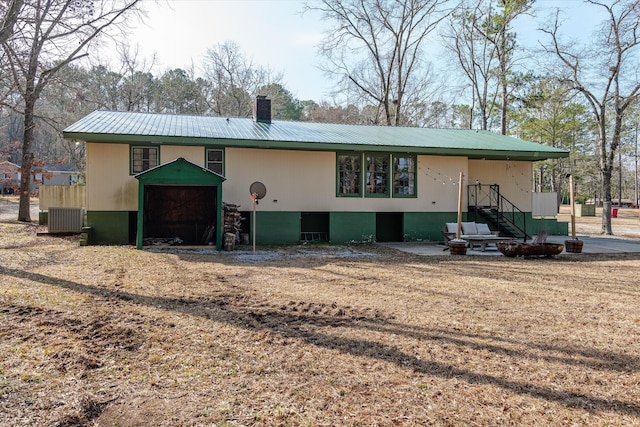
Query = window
x=143 y=158
x=377 y=178
x=404 y=176
x=215 y=161
x=380 y=174
x=349 y=175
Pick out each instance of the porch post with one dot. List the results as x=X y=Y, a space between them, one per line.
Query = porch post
x=140 y=219
x=220 y=220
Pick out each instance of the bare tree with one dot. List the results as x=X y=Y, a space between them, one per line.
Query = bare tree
x=50 y=34
x=136 y=77
x=10 y=12
x=608 y=76
x=476 y=56
x=376 y=46
x=235 y=79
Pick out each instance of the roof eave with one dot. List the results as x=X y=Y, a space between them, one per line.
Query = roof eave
x=487 y=154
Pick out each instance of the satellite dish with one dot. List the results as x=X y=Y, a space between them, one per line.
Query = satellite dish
x=258 y=189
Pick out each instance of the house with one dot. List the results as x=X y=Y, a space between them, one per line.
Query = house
x=49 y=174
x=9 y=177
x=159 y=175
x=56 y=174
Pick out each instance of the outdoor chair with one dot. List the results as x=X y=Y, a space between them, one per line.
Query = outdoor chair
x=447 y=237
x=540 y=238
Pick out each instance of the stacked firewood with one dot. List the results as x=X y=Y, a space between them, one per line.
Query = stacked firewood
x=232 y=220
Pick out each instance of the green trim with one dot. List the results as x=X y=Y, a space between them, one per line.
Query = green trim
x=486 y=154
x=149 y=145
x=112 y=227
x=348 y=154
x=427 y=226
x=391 y=173
x=43 y=218
x=274 y=228
x=368 y=157
x=393 y=176
x=206 y=158
x=108 y=227
x=352 y=227
x=179 y=172
x=550 y=225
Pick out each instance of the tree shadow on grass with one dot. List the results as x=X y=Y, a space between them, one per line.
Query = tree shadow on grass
x=290 y=322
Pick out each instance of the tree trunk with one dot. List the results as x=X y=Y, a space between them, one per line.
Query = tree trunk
x=24 y=209
x=10 y=19
x=606 y=202
x=503 y=108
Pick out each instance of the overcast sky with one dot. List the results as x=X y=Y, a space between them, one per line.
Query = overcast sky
x=272 y=32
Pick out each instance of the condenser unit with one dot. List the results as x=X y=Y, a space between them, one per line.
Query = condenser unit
x=65 y=220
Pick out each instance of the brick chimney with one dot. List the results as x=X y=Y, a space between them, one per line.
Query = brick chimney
x=262 y=111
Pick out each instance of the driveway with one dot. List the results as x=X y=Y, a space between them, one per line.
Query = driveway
x=9 y=209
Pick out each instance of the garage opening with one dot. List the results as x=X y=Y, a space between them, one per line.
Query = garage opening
x=389 y=227
x=184 y=212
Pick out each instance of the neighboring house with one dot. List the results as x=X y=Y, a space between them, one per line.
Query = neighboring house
x=54 y=174
x=158 y=175
x=9 y=177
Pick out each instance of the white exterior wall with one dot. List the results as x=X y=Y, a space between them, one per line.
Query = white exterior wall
x=305 y=180
x=438 y=178
x=109 y=185
x=169 y=153
x=514 y=179
x=295 y=180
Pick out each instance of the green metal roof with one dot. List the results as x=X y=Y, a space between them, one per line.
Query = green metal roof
x=127 y=127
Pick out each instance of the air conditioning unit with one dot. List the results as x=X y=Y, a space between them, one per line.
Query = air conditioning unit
x=65 y=220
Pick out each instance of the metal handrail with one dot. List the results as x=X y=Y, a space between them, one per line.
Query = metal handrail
x=502 y=207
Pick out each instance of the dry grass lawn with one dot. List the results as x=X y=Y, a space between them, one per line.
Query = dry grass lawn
x=313 y=336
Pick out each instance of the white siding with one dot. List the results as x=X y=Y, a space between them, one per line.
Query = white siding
x=305 y=180
x=514 y=179
x=169 y=153
x=109 y=185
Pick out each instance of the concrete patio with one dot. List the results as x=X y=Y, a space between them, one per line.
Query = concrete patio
x=592 y=245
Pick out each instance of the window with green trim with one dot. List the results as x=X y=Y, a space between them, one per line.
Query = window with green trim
x=215 y=160
x=377 y=175
x=404 y=175
x=143 y=158
x=349 y=174
x=380 y=174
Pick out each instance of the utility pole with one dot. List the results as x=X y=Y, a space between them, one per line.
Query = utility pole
x=620 y=176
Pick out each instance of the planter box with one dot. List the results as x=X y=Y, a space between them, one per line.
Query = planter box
x=573 y=246
x=458 y=248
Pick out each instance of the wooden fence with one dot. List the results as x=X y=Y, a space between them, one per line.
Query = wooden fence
x=62 y=196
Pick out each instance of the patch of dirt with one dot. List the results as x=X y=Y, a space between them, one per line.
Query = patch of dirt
x=313 y=335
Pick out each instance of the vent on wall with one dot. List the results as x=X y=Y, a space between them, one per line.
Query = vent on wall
x=65 y=220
